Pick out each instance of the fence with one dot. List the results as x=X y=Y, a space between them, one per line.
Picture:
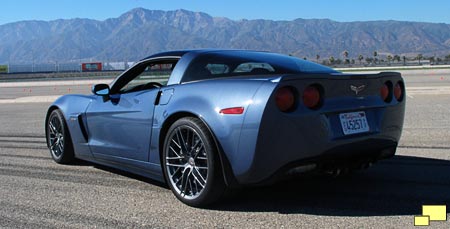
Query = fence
x=61 y=67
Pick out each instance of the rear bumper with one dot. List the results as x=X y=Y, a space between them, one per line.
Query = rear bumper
x=340 y=158
x=317 y=142
x=352 y=156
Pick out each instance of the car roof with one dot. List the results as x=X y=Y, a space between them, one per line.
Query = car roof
x=180 y=53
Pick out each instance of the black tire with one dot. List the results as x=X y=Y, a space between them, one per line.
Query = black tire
x=58 y=137
x=191 y=163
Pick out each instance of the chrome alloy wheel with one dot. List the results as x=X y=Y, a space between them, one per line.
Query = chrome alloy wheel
x=56 y=136
x=187 y=162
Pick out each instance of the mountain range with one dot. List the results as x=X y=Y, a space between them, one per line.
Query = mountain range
x=141 y=32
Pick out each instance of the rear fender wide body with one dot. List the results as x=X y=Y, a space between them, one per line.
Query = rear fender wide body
x=236 y=134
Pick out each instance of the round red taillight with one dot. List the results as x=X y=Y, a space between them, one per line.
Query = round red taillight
x=311 y=97
x=398 y=91
x=285 y=99
x=384 y=92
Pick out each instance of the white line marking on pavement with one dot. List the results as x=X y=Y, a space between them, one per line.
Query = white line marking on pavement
x=439 y=90
x=31 y=99
x=55 y=83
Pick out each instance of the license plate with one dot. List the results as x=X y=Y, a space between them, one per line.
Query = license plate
x=354 y=122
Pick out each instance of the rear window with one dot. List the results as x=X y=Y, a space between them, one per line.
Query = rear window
x=241 y=63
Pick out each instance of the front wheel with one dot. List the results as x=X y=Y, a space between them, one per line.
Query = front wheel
x=58 y=138
x=191 y=163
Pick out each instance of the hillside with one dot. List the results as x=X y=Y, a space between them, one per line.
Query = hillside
x=141 y=32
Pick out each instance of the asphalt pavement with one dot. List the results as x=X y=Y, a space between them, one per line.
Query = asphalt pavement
x=38 y=193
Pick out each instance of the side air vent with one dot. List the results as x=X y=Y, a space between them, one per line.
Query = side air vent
x=82 y=127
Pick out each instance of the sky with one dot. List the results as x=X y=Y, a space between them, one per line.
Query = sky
x=437 y=11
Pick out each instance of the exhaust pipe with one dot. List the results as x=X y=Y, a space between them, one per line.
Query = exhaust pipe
x=302 y=169
x=334 y=172
x=365 y=165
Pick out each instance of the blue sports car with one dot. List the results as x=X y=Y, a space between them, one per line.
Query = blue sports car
x=205 y=121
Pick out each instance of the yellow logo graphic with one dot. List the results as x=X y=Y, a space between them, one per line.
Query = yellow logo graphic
x=431 y=213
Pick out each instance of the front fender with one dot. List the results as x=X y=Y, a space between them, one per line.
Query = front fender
x=73 y=107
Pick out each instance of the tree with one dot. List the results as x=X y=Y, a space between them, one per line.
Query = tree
x=345 y=54
x=404 y=60
x=375 y=54
x=397 y=58
x=331 y=59
x=419 y=57
x=317 y=58
x=389 y=58
x=447 y=58
x=360 y=58
x=432 y=59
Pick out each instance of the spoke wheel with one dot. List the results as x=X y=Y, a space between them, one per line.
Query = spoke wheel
x=187 y=162
x=191 y=163
x=58 y=138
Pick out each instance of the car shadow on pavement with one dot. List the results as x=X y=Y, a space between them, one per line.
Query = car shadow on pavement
x=397 y=186
x=131 y=175
x=119 y=172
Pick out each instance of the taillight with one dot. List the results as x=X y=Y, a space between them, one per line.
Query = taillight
x=398 y=91
x=312 y=97
x=285 y=99
x=385 y=92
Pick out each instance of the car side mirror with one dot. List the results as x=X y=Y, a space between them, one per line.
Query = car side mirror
x=101 y=90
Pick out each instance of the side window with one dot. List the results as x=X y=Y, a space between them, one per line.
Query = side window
x=149 y=76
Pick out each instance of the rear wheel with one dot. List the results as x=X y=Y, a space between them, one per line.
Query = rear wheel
x=58 y=138
x=191 y=163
